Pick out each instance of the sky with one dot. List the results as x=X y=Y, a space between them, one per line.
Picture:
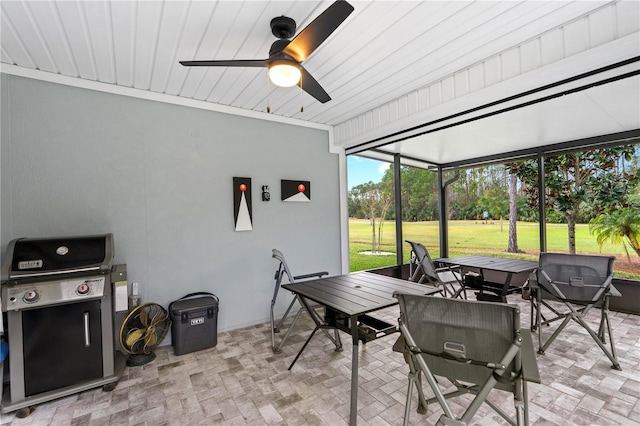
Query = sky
x=362 y=170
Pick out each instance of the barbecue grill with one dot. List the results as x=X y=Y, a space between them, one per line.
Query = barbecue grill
x=57 y=296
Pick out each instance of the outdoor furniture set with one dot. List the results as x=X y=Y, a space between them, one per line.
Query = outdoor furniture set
x=477 y=345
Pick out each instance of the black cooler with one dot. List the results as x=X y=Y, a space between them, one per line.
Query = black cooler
x=194 y=322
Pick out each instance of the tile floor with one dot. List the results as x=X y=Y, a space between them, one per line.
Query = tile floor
x=241 y=382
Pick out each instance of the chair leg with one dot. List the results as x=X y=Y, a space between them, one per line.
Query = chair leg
x=611 y=342
x=601 y=326
x=422 y=402
x=577 y=315
x=411 y=268
x=525 y=397
x=413 y=276
x=433 y=383
x=276 y=328
x=610 y=354
x=445 y=291
x=520 y=402
x=503 y=413
x=454 y=293
x=414 y=380
x=272 y=323
x=462 y=292
x=555 y=334
x=534 y=324
x=520 y=413
x=538 y=323
x=407 y=405
x=278 y=349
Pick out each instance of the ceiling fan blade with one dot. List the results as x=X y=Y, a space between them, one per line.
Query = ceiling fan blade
x=231 y=63
x=312 y=87
x=318 y=31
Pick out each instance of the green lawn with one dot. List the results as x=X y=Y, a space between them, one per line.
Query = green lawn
x=472 y=237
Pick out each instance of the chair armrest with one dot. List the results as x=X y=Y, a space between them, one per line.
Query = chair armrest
x=445 y=267
x=456 y=270
x=530 y=371
x=315 y=274
x=448 y=268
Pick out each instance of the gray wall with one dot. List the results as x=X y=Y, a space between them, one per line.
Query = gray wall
x=159 y=177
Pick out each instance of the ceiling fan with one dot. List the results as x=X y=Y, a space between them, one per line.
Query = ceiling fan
x=286 y=56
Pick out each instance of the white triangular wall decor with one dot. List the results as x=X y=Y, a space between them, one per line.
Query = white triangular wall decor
x=299 y=198
x=243 y=223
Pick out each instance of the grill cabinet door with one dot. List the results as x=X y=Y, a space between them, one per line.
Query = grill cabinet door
x=62 y=346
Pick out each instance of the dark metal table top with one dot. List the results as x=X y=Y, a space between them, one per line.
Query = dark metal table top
x=357 y=293
x=512 y=266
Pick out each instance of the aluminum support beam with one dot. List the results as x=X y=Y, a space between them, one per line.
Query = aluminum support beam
x=397 y=174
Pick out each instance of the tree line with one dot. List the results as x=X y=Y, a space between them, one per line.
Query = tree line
x=600 y=187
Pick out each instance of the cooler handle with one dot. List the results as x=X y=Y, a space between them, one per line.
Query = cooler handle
x=200 y=293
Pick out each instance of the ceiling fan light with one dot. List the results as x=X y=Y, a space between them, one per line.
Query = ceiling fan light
x=284 y=74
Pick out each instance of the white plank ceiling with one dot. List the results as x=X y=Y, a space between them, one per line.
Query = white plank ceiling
x=391 y=65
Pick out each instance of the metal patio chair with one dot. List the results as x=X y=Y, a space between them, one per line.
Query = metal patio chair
x=422 y=270
x=580 y=283
x=477 y=346
x=283 y=269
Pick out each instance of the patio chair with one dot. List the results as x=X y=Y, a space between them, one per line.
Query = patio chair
x=477 y=346
x=580 y=283
x=422 y=270
x=283 y=269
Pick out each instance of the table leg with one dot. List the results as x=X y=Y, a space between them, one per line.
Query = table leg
x=481 y=272
x=353 y=411
x=505 y=289
x=303 y=347
x=320 y=325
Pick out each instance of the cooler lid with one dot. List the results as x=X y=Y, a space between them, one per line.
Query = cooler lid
x=194 y=304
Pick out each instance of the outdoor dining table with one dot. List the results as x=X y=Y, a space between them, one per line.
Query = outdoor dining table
x=488 y=265
x=347 y=300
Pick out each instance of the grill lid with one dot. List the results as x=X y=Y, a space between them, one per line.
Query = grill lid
x=32 y=257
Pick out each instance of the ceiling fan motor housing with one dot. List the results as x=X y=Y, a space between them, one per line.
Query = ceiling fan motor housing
x=283 y=27
x=276 y=50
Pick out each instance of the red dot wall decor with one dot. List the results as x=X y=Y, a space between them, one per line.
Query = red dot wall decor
x=296 y=190
x=242 y=212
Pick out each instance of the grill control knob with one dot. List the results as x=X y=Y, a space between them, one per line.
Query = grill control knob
x=31 y=296
x=82 y=289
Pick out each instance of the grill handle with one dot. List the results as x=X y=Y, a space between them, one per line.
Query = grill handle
x=87 y=338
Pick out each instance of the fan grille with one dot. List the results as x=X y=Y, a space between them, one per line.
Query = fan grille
x=144 y=328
